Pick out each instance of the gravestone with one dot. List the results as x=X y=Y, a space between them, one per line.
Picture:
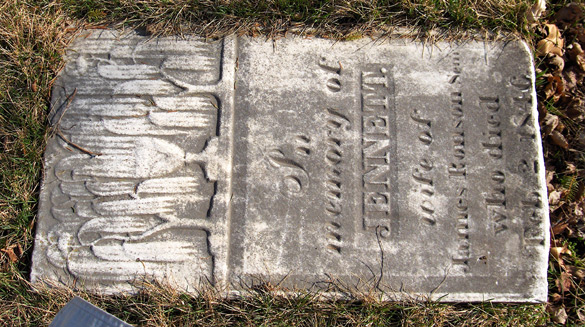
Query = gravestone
x=390 y=166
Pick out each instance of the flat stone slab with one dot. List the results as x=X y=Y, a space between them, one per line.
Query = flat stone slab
x=391 y=166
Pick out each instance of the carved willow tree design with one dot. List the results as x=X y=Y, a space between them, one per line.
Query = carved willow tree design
x=137 y=200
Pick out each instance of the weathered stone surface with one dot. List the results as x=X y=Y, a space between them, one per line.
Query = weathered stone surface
x=347 y=166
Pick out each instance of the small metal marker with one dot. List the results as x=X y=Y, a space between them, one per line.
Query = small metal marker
x=80 y=313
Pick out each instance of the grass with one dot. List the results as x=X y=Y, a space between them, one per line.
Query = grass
x=330 y=17
x=33 y=36
x=160 y=306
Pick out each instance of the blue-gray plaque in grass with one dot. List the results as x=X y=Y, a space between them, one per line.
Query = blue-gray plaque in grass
x=80 y=313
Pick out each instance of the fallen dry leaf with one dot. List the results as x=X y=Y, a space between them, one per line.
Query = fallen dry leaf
x=552 y=44
x=569 y=14
x=576 y=109
x=574 y=49
x=559 y=139
x=10 y=252
x=581 y=138
x=576 y=272
x=555 y=88
x=557 y=64
x=580 y=31
x=570 y=168
x=554 y=197
x=564 y=283
x=542 y=111
x=559 y=315
x=578 y=210
x=557 y=251
x=581 y=313
x=560 y=127
x=580 y=61
x=533 y=13
x=555 y=297
x=546 y=46
x=556 y=243
x=559 y=228
x=580 y=194
x=550 y=174
x=570 y=78
x=550 y=123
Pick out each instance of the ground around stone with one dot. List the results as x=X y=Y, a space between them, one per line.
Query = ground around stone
x=34 y=35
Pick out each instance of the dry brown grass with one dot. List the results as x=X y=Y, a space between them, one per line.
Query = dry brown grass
x=30 y=57
x=33 y=36
x=333 y=18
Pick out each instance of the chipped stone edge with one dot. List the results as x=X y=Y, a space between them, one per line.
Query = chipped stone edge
x=409 y=297
x=540 y=291
x=223 y=293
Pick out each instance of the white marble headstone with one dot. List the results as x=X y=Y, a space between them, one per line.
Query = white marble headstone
x=409 y=169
